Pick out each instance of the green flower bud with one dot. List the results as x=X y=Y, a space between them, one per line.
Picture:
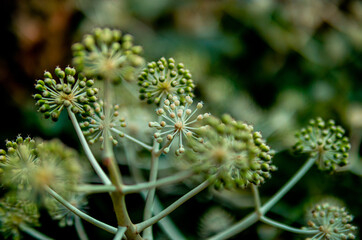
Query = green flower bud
x=331 y=222
x=325 y=142
x=166 y=81
x=106 y=54
x=239 y=155
x=55 y=96
x=96 y=124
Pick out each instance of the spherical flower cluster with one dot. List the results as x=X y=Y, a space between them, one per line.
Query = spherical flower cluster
x=58 y=166
x=18 y=163
x=66 y=93
x=214 y=221
x=99 y=125
x=177 y=123
x=62 y=214
x=108 y=54
x=28 y=166
x=233 y=152
x=15 y=213
x=326 y=142
x=163 y=80
x=332 y=223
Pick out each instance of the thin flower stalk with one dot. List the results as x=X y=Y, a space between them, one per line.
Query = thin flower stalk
x=97 y=168
x=286 y=227
x=34 y=233
x=81 y=214
x=149 y=222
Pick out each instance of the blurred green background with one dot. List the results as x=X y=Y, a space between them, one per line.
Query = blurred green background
x=274 y=64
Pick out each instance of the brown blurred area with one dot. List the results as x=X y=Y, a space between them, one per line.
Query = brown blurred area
x=38 y=37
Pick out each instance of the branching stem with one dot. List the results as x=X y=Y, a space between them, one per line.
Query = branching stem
x=166 y=223
x=79 y=213
x=127 y=189
x=149 y=222
x=160 y=182
x=120 y=233
x=87 y=150
x=297 y=176
x=254 y=216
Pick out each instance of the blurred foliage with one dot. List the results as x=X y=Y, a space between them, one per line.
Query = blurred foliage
x=273 y=63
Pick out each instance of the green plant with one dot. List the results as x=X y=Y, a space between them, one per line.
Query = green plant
x=218 y=152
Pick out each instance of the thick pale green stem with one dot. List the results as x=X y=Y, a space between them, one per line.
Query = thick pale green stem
x=80 y=229
x=120 y=233
x=254 y=217
x=34 y=233
x=286 y=227
x=149 y=222
x=87 y=150
x=88 y=188
x=118 y=199
x=79 y=213
x=166 y=223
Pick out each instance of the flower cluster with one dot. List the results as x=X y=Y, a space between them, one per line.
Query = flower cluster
x=59 y=212
x=234 y=152
x=326 y=142
x=18 y=163
x=163 y=80
x=332 y=222
x=66 y=93
x=177 y=122
x=107 y=54
x=28 y=166
x=214 y=221
x=15 y=213
x=99 y=125
x=59 y=166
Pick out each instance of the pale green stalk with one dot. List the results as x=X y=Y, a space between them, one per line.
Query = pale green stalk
x=151 y=193
x=166 y=223
x=163 y=148
x=80 y=228
x=146 y=146
x=286 y=227
x=89 y=188
x=118 y=199
x=34 y=233
x=79 y=213
x=256 y=195
x=120 y=233
x=149 y=222
x=302 y=171
x=87 y=150
x=254 y=217
x=238 y=227
x=177 y=178
x=128 y=189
